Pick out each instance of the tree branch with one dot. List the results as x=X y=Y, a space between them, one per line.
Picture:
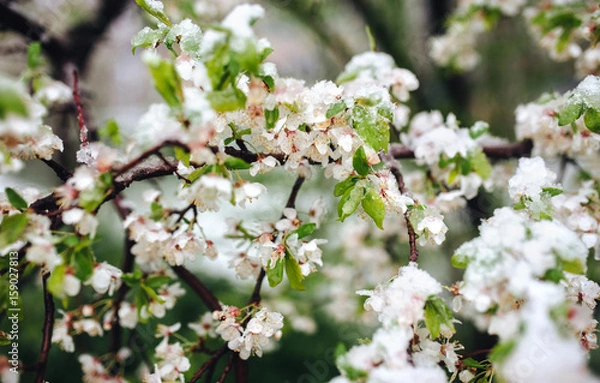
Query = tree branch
x=209 y=363
x=199 y=288
x=46 y=331
x=60 y=171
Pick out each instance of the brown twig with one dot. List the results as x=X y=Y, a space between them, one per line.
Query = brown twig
x=83 y=131
x=46 y=331
x=199 y=288
x=208 y=364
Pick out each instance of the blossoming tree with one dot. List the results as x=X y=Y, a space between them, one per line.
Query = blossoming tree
x=226 y=118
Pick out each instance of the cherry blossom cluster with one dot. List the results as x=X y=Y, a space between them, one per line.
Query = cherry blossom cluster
x=565 y=29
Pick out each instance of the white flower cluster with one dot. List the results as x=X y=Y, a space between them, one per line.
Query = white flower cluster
x=271 y=241
x=172 y=359
x=519 y=284
x=563 y=30
x=23 y=135
x=401 y=350
x=453 y=154
x=248 y=337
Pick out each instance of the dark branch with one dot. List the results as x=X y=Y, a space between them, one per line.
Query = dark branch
x=199 y=288
x=208 y=364
x=58 y=169
x=46 y=330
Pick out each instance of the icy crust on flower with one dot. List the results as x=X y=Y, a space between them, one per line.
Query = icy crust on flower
x=23 y=135
x=248 y=337
x=564 y=31
x=454 y=155
x=520 y=283
x=402 y=348
x=546 y=122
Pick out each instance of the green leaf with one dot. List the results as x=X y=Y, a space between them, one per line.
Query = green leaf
x=502 y=350
x=111 y=131
x=292 y=269
x=478 y=129
x=55 y=281
x=154 y=11
x=481 y=165
x=83 y=262
x=573 y=266
x=350 y=201
x=472 y=363
x=235 y=163
x=182 y=155
x=148 y=38
x=371 y=127
x=592 y=120
x=460 y=261
x=157 y=281
x=340 y=350
x=269 y=82
x=11 y=102
x=166 y=81
x=275 y=274
x=335 y=109
x=15 y=199
x=341 y=187
x=437 y=314
x=552 y=191
x=571 y=111
x=374 y=205
x=133 y=278
x=151 y=294
x=554 y=275
x=34 y=55
x=359 y=161
x=157 y=211
x=11 y=228
x=305 y=230
x=227 y=100
x=271 y=117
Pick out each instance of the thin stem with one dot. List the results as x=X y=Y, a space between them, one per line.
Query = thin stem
x=208 y=364
x=46 y=330
x=199 y=288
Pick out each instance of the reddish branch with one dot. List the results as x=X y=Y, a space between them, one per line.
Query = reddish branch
x=83 y=132
x=199 y=288
x=209 y=363
x=46 y=331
